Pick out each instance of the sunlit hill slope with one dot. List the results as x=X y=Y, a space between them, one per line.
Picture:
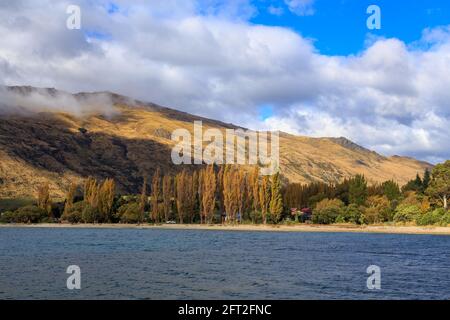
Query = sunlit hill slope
x=132 y=139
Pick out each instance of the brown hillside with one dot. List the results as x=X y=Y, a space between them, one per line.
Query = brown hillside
x=135 y=139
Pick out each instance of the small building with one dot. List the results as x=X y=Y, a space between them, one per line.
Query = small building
x=302 y=215
x=306 y=215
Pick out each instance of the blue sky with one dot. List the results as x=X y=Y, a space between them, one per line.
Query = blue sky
x=339 y=27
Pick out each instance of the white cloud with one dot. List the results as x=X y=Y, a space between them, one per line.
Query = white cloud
x=301 y=7
x=276 y=11
x=206 y=59
x=25 y=101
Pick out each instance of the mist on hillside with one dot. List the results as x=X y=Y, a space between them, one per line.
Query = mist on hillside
x=25 y=100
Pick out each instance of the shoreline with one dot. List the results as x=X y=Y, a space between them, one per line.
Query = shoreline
x=380 y=229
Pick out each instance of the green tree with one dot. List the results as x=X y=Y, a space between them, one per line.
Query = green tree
x=130 y=213
x=351 y=214
x=27 y=214
x=406 y=213
x=73 y=214
x=432 y=217
x=440 y=183
x=415 y=185
x=358 y=190
x=327 y=211
x=391 y=190
x=426 y=180
x=89 y=214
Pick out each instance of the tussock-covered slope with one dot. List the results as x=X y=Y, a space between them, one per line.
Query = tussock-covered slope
x=133 y=139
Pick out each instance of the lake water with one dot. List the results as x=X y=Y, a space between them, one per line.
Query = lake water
x=188 y=264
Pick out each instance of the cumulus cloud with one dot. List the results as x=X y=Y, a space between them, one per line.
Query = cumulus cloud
x=204 y=57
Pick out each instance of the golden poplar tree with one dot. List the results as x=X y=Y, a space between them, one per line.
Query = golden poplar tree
x=276 y=200
x=219 y=189
x=155 y=195
x=184 y=192
x=91 y=192
x=264 y=197
x=201 y=185
x=43 y=200
x=254 y=183
x=240 y=191
x=227 y=194
x=249 y=193
x=230 y=192
x=180 y=195
x=90 y=212
x=106 y=194
x=189 y=196
x=70 y=196
x=209 y=193
x=167 y=196
x=195 y=195
x=143 y=201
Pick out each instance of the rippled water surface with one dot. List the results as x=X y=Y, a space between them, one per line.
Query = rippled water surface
x=188 y=264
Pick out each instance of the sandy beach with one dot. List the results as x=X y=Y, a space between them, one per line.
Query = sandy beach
x=433 y=230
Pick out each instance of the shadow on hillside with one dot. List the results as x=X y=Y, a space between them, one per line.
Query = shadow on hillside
x=47 y=143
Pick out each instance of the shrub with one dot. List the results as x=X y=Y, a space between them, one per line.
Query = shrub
x=425 y=205
x=7 y=217
x=431 y=217
x=351 y=214
x=255 y=216
x=445 y=220
x=129 y=213
x=12 y=205
x=74 y=214
x=27 y=214
x=406 y=213
x=31 y=214
x=371 y=215
x=327 y=211
x=89 y=214
x=288 y=222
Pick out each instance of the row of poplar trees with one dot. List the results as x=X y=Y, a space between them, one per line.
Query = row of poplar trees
x=230 y=192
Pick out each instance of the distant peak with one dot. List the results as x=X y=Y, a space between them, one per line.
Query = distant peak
x=348 y=144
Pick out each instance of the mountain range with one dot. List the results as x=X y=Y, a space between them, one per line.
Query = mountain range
x=47 y=135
